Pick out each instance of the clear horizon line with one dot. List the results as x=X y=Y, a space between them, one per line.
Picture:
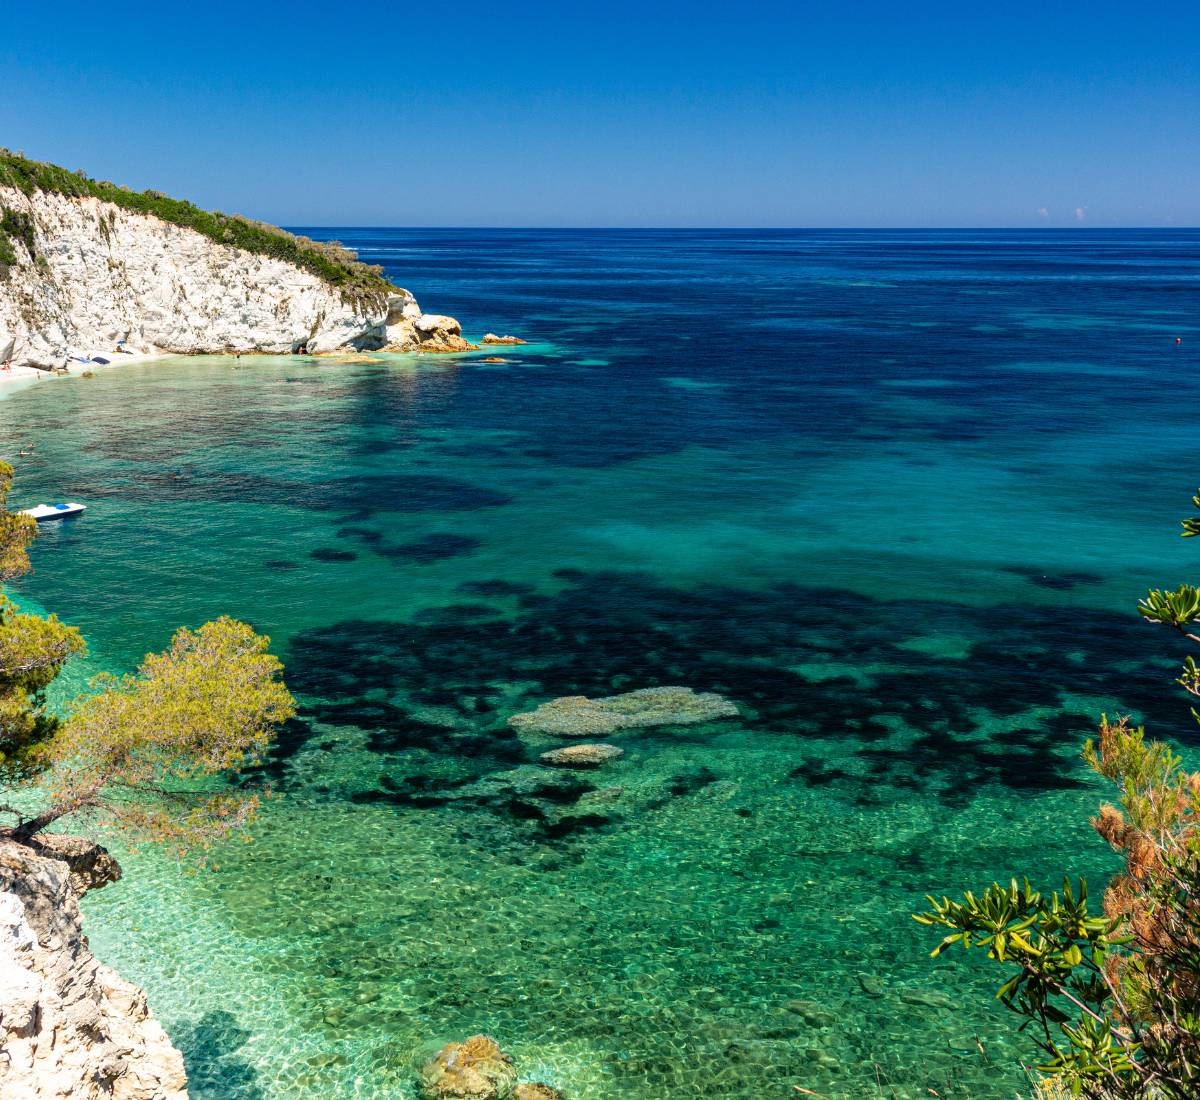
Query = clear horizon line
x=1073 y=228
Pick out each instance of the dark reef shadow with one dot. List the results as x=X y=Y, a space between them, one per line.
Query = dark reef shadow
x=215 y=1070
x=948 y=727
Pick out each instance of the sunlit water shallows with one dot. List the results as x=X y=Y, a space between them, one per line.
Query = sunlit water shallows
x=893 y=494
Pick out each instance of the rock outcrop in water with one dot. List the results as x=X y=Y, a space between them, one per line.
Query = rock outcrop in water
x=70 y=1027
x=578 y=716
x=537 y=1091
x=78 y=274
x=477 y=1069
x=581 y=756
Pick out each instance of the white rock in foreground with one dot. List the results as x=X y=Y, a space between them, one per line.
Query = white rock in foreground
x=70 y=1027
x=99 y=274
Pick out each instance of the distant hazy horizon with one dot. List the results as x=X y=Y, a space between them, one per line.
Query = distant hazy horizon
x=626 y=115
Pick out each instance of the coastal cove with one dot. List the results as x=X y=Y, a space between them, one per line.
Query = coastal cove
x=894 y=495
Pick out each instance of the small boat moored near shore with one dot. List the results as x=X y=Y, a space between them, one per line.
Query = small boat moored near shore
x=44 y=512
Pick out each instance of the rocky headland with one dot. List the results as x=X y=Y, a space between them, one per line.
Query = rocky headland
x=87 y=268
x=70 y=1027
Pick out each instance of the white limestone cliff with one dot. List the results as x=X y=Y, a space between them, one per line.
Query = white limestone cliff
x=99 y=274
x=70 y=1027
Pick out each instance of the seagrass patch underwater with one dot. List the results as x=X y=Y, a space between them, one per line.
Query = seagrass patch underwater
x=894 y=495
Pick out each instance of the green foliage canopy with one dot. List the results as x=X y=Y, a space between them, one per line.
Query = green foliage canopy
x=143 y=752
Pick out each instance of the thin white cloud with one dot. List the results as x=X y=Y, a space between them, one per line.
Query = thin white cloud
x=1080 y=213
x=1043 y=212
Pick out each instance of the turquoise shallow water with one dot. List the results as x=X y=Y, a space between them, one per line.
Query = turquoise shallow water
x=893 y=494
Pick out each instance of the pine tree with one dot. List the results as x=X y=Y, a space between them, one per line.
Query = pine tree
x=149 y=752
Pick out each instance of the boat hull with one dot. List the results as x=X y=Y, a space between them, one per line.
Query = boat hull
x=46 y=512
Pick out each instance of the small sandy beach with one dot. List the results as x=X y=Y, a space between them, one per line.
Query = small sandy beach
x=23 y=376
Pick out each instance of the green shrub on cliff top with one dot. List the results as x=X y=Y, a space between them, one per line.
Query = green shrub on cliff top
x=359 y=283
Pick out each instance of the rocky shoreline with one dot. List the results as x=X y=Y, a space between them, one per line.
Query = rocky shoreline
x=92 y=278
x=69 y=1025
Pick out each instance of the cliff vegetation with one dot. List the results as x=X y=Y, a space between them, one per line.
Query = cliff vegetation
x=359 y=283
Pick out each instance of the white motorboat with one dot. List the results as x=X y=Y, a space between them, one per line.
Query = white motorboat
x=44 y=512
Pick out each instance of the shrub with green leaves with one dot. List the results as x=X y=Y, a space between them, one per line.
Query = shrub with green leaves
x=1113 y=996
x=15 y=225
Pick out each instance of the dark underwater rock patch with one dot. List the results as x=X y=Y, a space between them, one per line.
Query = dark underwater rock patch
x=537 y=800
x=327 y=553
x=474 y=451
x=371 y=447
x=606 y=631
x=494 y=588
x=456 y=613
x=367 y=535
x=1058 y=581
x=819 y=773
x=433 y=547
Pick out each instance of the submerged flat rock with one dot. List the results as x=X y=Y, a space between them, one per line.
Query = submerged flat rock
x=581 y=756
x=579 y=716
x=475 y=1069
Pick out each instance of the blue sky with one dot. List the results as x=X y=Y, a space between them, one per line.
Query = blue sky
x=633 y=114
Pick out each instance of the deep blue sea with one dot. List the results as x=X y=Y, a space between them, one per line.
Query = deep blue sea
x=894 y=494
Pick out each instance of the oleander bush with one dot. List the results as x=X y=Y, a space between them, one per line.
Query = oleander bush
x=1112 y=995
